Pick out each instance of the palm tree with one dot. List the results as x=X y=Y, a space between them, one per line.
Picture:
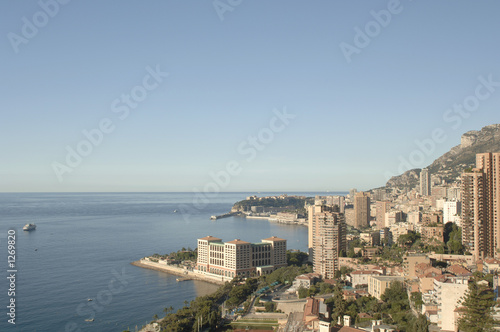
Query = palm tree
x=168 y=310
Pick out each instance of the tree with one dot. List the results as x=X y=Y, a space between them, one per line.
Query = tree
x=454 y=242
x=477 y=312
x=408 y=239
x=337 y=302
x=270 y=306
x=168 y=310
x=419 y=324
x=303 y=292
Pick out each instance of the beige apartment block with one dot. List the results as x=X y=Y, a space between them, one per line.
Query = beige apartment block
x=481 y=207
x=382 y=207
x=240 y=258
x=378 y=284
x=361 y=210
x=410 y=262
x=327 y=237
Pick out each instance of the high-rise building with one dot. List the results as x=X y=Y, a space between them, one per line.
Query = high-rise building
x=425 y=182
x=382 y=208
x=481 y=206
x=327 y=237
x=240 y=258
x=352 y=193
x=361 y=210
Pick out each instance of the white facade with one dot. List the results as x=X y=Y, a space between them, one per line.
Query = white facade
x=451 y=212
x=447 y=297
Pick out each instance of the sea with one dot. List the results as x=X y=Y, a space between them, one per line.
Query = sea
x=76 y=266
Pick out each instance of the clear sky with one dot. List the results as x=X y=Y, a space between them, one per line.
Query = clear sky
x=355 y=84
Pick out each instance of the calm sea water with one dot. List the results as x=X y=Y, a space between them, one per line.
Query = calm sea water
x=83 y=246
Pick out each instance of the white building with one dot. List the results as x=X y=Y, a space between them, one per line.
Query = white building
x=451 y=212
x=447 y=294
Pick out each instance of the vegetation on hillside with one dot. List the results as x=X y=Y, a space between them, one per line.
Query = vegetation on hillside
x=394 y=308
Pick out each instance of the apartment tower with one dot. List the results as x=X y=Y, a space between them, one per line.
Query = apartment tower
x=425 y=183
x=382 y=208
x=327 y=237
x=361 y=210
x=481 y=206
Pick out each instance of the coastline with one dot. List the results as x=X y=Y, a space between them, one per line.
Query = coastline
x=175 y=271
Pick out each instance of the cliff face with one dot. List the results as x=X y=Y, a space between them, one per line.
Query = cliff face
x=450 y=165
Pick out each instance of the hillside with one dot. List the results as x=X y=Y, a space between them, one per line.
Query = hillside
x=450 y=165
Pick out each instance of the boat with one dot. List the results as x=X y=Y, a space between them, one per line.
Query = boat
x=175 y=211
x=29 y=227
x=89 y=300
x=89 y=320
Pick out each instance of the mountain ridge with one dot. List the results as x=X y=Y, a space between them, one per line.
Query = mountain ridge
x=450 y=165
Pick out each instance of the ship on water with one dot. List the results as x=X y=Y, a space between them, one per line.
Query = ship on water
x=29 y=227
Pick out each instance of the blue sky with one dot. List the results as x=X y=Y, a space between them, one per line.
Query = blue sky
x=353 y=121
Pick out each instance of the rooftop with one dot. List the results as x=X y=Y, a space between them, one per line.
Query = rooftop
x=274 y=238
x=237 y=241
x=210 y=238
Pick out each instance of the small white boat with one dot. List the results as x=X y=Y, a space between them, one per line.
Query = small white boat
x=89 y=300
x=175 y=211
x=29 y=227
x=89 y=320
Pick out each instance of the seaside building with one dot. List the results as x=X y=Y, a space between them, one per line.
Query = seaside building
x=327 y=237
x=425 y=183
x=240 y=258
x=481 y=206
x=361 y=210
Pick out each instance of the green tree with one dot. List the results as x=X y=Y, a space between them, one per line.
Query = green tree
x=303 y=292
x=477 y=314
x=408 y=239
x=454 y=242
x=270 y=306
x=337 y=303
x=418 y=324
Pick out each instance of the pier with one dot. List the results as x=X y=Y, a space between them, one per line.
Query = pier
x=225 y=215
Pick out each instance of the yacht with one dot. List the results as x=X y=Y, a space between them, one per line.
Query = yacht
x=29 y=227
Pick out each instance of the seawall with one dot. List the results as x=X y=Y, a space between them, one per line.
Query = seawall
x=176 y=271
